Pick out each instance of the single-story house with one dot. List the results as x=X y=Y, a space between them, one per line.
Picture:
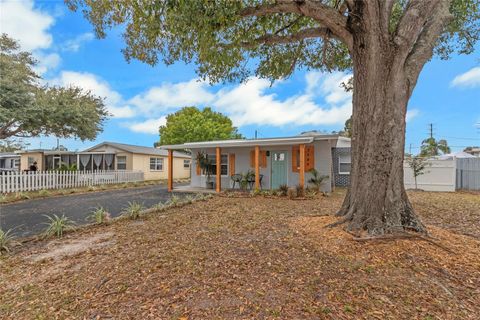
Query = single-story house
x=274 y=161
x=111 y=156
x=9 y=161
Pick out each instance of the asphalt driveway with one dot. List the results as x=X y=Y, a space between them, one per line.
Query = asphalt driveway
x=27 y=218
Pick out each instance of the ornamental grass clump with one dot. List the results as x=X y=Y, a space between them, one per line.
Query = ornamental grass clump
x=6 y=240
x=99 y=216
x=133 y=210
x=283 y=189
x=56 y=225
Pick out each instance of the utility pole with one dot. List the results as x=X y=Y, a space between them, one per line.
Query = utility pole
x=410 y=149
x=431 y=130
x=255 y=134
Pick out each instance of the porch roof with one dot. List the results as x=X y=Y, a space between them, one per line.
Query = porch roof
x=251 y=142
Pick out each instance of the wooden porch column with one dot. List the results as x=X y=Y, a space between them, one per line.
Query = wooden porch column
x=257 y=167
x=170 y=170
x=301 y=172
x=218 y=187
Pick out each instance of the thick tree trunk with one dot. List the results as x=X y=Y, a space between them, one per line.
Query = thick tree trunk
x=376 y=200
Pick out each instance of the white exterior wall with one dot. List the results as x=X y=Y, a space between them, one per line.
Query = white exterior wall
x=440 y=175
x=323 y=163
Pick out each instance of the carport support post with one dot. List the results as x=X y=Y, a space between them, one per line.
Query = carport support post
x=170 y=170
x=218 y=187
x=301 y=173
x=257 y=168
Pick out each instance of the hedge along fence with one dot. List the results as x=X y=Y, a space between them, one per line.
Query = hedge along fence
x=30 y=181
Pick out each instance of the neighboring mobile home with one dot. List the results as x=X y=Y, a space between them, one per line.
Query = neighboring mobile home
x=111 y=156
x=274 y=161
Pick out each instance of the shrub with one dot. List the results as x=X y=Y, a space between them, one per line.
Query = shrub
x=91 y=188
x=23 y=196
x=189 y=199
x=316 y=180
x=300 y=191
x=255 y=192
x=57 y=225
x=99 y=216
x=6 y=240
x=43 y=193
x=159 y=207
x=103 y=187
x=291 y=193
x=174 y=201
x=133 y=210
x=283 y=189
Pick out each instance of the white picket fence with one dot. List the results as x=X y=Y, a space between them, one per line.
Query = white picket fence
x=30 y=181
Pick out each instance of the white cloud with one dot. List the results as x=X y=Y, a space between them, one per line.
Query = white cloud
x=412 y=113
x=469 y=79
x=168 y=95
x=149 y=126
x=21 y=21
x=249 y=104
x=46 y=62
x=113 y=100
x=75 y=44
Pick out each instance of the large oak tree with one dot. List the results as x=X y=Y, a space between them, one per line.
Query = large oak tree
x=385 y=42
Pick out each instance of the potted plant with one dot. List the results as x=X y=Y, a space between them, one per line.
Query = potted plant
x=206 y=165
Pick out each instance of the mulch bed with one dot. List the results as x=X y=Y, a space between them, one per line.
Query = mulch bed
x=251 y=258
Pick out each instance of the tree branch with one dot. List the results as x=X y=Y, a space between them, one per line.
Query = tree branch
x=272 y=39
x=422 y=50
x=412 y=24
x=327 y=16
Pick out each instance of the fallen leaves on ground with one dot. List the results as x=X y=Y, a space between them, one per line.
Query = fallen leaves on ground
x=252 y=258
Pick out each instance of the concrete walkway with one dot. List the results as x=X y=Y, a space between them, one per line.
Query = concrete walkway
x=27 y=218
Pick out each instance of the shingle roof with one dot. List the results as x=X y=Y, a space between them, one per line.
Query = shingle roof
x=139 y=149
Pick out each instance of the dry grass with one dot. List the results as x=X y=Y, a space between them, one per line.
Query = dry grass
x=258 y=258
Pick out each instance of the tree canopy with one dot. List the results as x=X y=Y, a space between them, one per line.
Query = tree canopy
x=191 y=124
x=232 y=40
x=28 y=108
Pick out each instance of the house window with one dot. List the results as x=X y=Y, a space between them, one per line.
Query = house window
x=344 y=164
x=186 y=164
x=156 y=164
x=223 y=164
x=121 y=162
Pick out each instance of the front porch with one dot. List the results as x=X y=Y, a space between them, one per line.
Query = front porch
x=261 y=162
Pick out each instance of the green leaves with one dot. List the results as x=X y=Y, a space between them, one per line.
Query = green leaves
x=30 y=109
x=191 y=124
x=228 y=46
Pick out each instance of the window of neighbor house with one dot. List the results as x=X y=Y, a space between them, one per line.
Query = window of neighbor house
x=186 y=164
x=121 y=162
x=156 y=164
x=344 y=164
x=223 y=164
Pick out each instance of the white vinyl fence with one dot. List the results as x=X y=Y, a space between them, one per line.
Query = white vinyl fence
x=29 y=181
x=440 y=175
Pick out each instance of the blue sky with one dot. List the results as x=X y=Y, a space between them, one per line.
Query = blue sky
x=139 y=96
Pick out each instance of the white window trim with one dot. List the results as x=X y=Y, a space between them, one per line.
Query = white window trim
x=118 y=162
x=339 y=166
x=156 y=158
x=215 y=174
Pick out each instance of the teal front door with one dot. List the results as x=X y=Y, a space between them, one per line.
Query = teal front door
x=279 y=168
